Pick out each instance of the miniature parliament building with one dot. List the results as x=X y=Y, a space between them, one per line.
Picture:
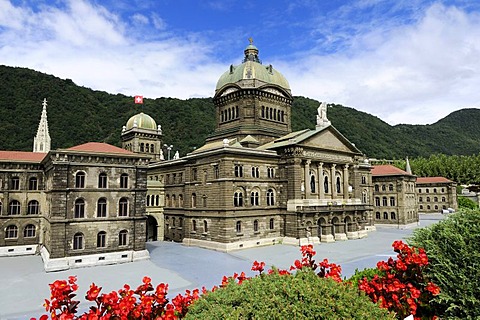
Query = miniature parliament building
x=254 y=182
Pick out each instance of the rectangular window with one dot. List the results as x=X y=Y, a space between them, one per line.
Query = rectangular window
x=33 y=184
x=216 y=172
x=392 y=201
x=102 y=181
x=194 y=174
x=124 y=181
x=15 y=183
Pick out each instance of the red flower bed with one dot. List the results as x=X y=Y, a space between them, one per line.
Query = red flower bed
x=403 y=289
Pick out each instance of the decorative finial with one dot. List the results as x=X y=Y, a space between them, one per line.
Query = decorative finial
x=44 y=104
x=251 y=40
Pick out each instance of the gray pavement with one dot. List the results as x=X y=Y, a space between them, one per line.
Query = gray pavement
x=24 y=284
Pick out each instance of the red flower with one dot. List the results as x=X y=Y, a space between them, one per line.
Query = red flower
x=93 y=292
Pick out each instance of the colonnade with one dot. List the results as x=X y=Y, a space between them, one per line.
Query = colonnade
x=320 y=178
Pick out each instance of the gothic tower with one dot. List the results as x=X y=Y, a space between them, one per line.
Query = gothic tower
x=253 y=102
x=41 y=142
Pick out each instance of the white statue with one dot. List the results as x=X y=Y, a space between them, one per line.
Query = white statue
x=159 y=129
x=162 y=157
x=177 y=155
x=322 y=119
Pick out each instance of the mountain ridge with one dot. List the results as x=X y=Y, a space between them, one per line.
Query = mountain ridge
x=186 y=123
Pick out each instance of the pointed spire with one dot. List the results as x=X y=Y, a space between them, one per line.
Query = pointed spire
x=41 y=142
x=407 y=167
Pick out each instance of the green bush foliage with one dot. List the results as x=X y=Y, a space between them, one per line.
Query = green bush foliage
x=453 y=249
x=303 y=295
x=466 y=203
x=368 y=273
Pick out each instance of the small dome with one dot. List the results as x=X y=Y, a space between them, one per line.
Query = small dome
x=142 y=121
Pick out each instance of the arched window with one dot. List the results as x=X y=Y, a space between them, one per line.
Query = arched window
x=15 y=183
x=427 y=190
x=123 y=207
x=392 y=201
x=263 y=111
x=339 y=186
x=238 y=199
x=238 y=227
x=79 y=208
x=123 y=238
x=325 y=184
x=377 y=201
x=33 y=207
x=29 y=231
x=384 y=201
x=312 y=183
x=102 y=180
x=32 y=183
x=173 y=201
x=364 y=196
x=80 y=179
x=11 y=232
x=364 y=180
x=428 y=199
x=272 y=223
x=148 y=200
x=254 y=198
x=237 y=114
x=393 y=216
x=101 y=239
x=124 y=181
x=443 y=199
x=434 y=190
x=385 y=215
x=376 y=188
x=420 y=199
x=255 y=226
x=204 y=200
x=383 y=187
x=194 y=225
x=377 y=215
x=194 y=200
x=102 y=208
x=270 y=197
x=205 y=226
x=142 y=147
x=390 y=187
x=428 y=207
x=78 y=241
x=435 y=199
x=14 y=207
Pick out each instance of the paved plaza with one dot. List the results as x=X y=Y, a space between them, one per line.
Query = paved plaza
x=25 y=283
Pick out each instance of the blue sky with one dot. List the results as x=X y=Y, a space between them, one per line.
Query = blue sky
x=404 y=61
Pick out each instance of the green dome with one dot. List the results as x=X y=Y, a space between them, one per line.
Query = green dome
x=142 y=121
x=250 y=69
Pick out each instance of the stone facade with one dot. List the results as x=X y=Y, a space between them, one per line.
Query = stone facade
x=436 y=194
x=77 y=207
x=394 y=192
x=255 y=182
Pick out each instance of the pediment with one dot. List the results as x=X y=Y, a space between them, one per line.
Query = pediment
x=328 y=139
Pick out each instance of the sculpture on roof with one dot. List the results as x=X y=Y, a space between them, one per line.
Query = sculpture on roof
x=176 y=156
x=322 y=119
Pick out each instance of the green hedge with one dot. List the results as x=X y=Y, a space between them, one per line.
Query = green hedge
x=303 y=295
x=453 y=249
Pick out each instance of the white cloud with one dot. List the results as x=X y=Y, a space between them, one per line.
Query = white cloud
x=417 y=73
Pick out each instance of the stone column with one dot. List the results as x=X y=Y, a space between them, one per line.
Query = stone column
x=345 y=182
x=333 y=183
x=308 y=190
x=321 y=193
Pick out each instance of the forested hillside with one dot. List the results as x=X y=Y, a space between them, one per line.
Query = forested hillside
x=78 y=114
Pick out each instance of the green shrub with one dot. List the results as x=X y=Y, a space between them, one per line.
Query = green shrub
x=466 y=203
x=453 y=249
x=303 y=295
x=368 y=273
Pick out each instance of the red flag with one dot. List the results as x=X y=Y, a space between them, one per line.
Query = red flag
x=138 y=99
